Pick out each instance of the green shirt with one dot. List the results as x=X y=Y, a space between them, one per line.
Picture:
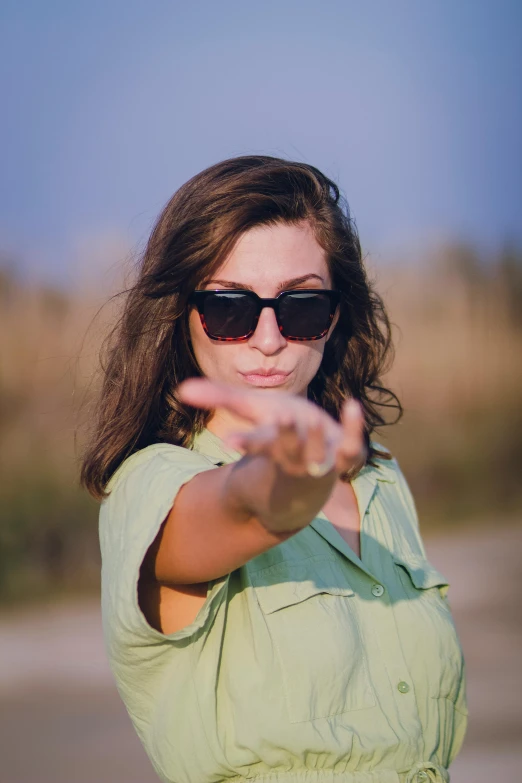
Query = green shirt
x=305 y=665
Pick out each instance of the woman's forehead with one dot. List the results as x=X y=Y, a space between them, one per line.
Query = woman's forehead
x=273 y=255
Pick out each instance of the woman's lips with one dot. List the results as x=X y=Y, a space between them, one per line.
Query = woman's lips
x=265 y=380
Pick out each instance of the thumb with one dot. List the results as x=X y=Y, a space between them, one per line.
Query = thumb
x=352 y=420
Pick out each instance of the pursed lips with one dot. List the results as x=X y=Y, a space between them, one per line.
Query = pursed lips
x=261 y=371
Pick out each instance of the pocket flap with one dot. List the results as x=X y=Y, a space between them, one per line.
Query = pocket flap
x=422 y=573
x=288 y=583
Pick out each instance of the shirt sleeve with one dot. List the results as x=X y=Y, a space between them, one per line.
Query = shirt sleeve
x=142 y=492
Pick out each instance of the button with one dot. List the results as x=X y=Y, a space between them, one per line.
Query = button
x=377 y=590
x=422 y=776
x=403 y=687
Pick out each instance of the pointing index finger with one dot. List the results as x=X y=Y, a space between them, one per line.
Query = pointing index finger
x=204 y=393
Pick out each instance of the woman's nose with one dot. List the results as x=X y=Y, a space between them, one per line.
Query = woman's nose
x=267 y=337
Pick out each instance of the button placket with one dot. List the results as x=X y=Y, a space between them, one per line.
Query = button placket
x=381 y=624
x=380 y=627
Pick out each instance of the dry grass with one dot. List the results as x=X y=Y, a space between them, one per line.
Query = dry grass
x=458 y=373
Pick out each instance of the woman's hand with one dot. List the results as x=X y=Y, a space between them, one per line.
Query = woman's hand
x=295 y=433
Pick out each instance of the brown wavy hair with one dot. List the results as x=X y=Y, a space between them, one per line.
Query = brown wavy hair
x=148 y=352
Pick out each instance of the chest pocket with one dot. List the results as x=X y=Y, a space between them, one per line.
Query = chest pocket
x=438 y=649
x=309 y=610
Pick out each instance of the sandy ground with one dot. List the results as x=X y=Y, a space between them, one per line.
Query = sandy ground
x=61 y=720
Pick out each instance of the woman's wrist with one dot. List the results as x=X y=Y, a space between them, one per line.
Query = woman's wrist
x=258 y=488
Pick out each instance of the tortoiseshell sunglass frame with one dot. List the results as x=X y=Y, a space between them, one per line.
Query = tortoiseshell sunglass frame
x=198 y=297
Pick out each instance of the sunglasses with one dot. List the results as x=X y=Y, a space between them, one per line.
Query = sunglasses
x=302 y=314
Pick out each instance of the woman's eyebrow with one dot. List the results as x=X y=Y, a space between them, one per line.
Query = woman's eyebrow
x=286 y=284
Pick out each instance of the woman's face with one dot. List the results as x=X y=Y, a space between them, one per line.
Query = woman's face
x=267 y=259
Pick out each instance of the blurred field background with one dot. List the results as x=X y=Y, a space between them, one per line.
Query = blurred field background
x=457 y=326
x=415 y=110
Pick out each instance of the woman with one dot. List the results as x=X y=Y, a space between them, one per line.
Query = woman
x=268 y=607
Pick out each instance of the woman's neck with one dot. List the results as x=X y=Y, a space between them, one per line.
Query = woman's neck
x=224 y=423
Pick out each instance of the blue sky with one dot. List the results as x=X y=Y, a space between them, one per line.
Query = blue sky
x=413 y=106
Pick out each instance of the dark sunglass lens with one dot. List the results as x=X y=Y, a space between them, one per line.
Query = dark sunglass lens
x=229 y=314
x=305 y=314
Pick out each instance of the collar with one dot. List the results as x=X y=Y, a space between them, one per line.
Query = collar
x=211 y=445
